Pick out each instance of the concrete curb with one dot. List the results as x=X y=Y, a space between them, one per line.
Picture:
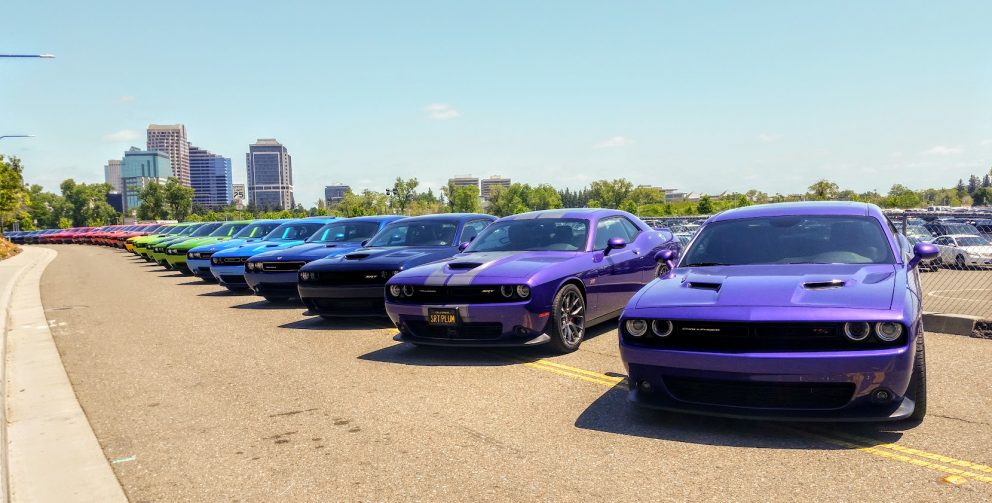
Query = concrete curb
x=957 y=324
x=52 y=452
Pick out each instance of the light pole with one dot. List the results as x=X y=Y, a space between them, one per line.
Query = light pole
x=42 y=56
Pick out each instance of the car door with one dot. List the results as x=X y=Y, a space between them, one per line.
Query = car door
x=942 y=243
x=619 y=275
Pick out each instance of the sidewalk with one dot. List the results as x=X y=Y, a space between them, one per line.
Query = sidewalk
x=49 y=451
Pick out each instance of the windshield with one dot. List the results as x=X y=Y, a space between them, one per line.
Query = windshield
x=341 y=232
x=917 y=231
x=972 y=241
x=227 y=230
x=152 y=228
x=173 y=230
x=957 y=229
x=423 y=233
x=186 y=231
x=205 y=230
x=532 y=235
x=256 y=230
x=291 y=231
x=790 y=240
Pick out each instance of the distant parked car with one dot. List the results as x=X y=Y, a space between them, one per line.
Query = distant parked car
x=942 y=228
x=919 y=234
x=964 y=250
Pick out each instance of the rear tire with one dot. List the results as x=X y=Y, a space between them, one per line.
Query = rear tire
x=568 y=316
x=959 y=262
x=918 y=382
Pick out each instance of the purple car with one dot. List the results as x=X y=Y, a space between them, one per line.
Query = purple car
x=527 y=279
x=805 y=311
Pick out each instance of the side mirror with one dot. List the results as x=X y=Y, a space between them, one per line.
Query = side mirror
x=614 y=244
x=463 y=245
x=921 y=252
x=666 y=256
x=365 y=243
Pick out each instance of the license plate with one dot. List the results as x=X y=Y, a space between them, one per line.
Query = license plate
x=442 y=317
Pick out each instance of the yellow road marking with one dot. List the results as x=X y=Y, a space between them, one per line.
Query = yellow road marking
x=581 y=377
x=921 y=453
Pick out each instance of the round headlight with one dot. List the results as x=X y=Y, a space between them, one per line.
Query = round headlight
x=888 y=331
x=857 y=331
x=408 y=290
x=662 y=328
x=636 y=328
x=523 y=291
x=304 y=276
x=395 y=290
x=506 y=291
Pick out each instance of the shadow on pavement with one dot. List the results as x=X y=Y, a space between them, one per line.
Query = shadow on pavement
x=317 y=323
x=264 y=304
x=431 y=356
x=224 y=292
x=612 y=413
x=197 y=282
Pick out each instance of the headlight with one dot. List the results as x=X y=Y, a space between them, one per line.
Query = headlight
x=395 y=290
x=857 y=331
x=523 y=291
x=305 y=276
x=506 y=291
x=636 y=328
x=662 y=328
x=408 y=290
x=888 y=331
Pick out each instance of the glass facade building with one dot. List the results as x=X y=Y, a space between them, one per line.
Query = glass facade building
x=138 y=168
x=210 y=175
x=270 y=175
x=333 y=194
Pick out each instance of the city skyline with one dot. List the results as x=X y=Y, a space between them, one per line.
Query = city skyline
x=770 y=96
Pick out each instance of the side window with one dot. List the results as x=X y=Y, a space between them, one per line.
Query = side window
x=632 y=230
x=472 y=229
x=940 y=241
x=609 y=228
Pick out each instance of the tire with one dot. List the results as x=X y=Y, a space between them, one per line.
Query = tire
x=959 y=262
x=568 y=316
x=661 y=269
x=918 y=382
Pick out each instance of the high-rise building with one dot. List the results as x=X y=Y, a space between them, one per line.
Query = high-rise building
x=112 y=174
x=492 y=181
x=464 y=181
x=210 y=177
x=171 y=139
x=139 y=168
x=333 y=194
x=270 y=175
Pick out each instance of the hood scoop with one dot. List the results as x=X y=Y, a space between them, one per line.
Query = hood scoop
x=330 y=246
x=462 y=266
x=703 y=285
x=356 y=256
x=824 y=285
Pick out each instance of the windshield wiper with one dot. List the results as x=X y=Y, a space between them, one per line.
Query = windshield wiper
x=703 y=264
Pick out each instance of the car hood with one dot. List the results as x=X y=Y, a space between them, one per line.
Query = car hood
x=223 y=245
x=391 y=258
x=513 y=264
x=249 y=249
x=308 y=251
x=815 y=285
x=194 y=242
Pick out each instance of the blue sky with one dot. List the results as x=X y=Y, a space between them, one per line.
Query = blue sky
x=701 y=96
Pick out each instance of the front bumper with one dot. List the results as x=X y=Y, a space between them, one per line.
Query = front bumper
x=231 y=277
x=273 y=283
x=343 y=301
x=494 y=325
x=832 y=386
x=176 y=261
x=200 y=268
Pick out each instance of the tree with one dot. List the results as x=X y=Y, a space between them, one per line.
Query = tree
x=402 y=194
x=823 y=190
x=510 y=200
x=544 y=197
x=462 y=199
x=577 y=199
x=961 y=188
x=705 y=206
x=982 y=196
x=14 y=200
x=609 y=193
x=986 y=181
x=757 y=197
x=901 y=196
x=86 y=204
x=973 y=184
x=179 y=199
x=366 y=204
x=153 y=203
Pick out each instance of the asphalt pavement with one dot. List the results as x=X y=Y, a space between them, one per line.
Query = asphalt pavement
x=198 y=394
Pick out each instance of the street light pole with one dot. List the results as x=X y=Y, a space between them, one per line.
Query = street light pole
x=42 y=56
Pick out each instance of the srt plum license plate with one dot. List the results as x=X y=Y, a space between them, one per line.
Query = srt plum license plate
x=442 y=317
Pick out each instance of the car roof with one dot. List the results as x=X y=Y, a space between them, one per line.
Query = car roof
x=447 y=217
x=840 y=208
x=576 y=213
x=960 y=236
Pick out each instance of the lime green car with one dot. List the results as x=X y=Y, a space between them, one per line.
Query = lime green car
x=156 y=249
x=140 y=244
x=175 y=254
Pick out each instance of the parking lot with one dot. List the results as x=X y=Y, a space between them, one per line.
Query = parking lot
x=198 y=394
x=953 y=291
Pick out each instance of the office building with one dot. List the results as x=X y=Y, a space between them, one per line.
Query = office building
x=210 y=177
x=171 y=139
x=487 y=184
x=138 y=168
x=464 y=181
x=270 y=175
x=112 y=174
x=333 y=194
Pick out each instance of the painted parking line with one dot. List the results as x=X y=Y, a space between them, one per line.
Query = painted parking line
x=937 y=462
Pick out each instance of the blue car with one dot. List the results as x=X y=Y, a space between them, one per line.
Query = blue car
x=354 y=284
x=273 y=274
x=198 y=258
x=228 y=266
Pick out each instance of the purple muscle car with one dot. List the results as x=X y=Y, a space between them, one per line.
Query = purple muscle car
x=805 y=311
x=532 y=278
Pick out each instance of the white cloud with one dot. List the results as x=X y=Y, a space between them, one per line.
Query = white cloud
x=769 y=137
x=942 y=150
x=986 y=142
x=122 y=136
x=440 y=111
x=616 y=141
x=126 y=99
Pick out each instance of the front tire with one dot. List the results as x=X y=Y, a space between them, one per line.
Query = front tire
x=959 y=262
x=661 y=269
x=568 y=316
x=918 y=382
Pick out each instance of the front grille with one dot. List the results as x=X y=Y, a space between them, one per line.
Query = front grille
x=464 y=331
x=468 y=294
x=200 y=255
x=764 y=395
x=746 y=337
x=231 y=279
x=229 y=260
x=351 y=278
x=282 y=266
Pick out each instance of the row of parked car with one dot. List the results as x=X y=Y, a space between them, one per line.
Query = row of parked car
x=799 y=310
x=962 y=244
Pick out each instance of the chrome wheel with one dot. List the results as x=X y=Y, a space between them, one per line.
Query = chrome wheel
x=571 y=318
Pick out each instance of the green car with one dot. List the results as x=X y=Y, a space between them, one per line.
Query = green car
x=175 y=254
x=141 y=243
x=156 y=249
